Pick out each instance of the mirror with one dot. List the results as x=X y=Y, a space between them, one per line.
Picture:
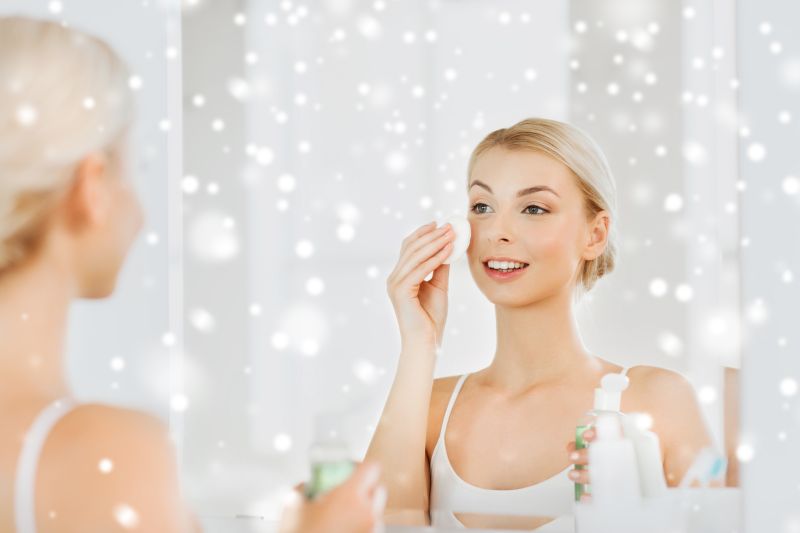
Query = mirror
x=317 y=138
x=284 y=151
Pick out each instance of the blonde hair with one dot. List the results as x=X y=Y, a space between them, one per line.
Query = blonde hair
x=63 y=95
x=581 y=154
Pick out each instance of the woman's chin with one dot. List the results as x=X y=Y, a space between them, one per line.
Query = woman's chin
x=98 y=290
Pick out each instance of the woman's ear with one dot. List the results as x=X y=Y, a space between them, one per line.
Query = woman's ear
x=88 y=201
x=597 y=236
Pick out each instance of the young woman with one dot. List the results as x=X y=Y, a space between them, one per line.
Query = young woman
x=499 y=440
x=67 y=218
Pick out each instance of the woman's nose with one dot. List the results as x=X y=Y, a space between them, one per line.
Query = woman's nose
x=499 y=228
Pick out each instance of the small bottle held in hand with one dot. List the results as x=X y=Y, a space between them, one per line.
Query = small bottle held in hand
x=329 y=455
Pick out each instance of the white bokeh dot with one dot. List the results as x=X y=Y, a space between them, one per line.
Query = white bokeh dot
x=790 y=185
x=788 y=387
x=658 y=287
x=179 y=402
x=286 y=183
x=105 y=465
x=282 y=442
x=670 y=344
x=190 y=184
x=126 y=516
x=745 y=452
x=684 y=292
x=202 y=320
x=673 y=202
x=304 y=249
x=27 y=115
x=279 y=340
x=315 y=286
x=117 y=364
x=707 y=394
x=756 y=152
x=135 y=83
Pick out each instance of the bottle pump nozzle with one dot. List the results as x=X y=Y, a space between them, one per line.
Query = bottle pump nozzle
x=608 y=396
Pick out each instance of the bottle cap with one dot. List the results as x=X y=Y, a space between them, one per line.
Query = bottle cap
x=608 y=396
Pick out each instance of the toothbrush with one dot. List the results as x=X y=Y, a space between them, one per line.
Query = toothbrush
x=707 y=466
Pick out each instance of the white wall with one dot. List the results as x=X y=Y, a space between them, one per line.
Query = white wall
x=769 y=60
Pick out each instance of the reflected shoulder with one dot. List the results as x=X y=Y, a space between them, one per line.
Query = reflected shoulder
x=120 y=459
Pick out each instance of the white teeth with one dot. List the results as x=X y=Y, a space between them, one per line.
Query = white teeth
x=505 y=265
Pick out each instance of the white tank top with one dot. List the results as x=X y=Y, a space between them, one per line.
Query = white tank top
x=32 y=444
x=554 y=496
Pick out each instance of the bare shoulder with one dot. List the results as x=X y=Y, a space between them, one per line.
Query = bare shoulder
x=670 y=399
x=104 y=428
x=676 y=414
x=440 y=396
x=445 y=385
x=120 y=459
x=659 y=386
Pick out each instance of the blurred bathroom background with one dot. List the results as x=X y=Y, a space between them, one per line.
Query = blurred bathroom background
x=316 y=135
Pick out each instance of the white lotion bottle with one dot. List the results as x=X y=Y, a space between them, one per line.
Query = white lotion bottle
x=607 y=399
x=612 y=465
x=648 y=454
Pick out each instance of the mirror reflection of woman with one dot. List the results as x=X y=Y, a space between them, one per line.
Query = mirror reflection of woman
x=68 y=214
x=499 y=440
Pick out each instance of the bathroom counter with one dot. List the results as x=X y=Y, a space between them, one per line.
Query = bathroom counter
x=228 y=524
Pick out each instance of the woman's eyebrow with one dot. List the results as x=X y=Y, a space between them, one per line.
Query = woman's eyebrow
x=523 y=192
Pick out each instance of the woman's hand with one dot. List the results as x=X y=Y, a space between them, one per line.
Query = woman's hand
x=355 y=506
x=580 y=458
x=421 y=306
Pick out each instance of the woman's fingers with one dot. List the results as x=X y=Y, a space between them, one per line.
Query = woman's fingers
x=426 y=259
x=426 y=267
x=426 y=237
x=579 y=476
x=589 y=435
x=579 y=457
x=411 y=260
x=417 y=232
x=425 y=234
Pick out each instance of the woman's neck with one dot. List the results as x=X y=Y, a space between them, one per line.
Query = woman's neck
x=538 y=344
x=34 y=303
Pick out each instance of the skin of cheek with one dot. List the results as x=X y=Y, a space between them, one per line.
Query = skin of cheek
x=553 y=257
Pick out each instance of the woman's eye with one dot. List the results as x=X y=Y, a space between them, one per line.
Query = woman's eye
x=535 y=207
x=475 y=209
x=477 y=206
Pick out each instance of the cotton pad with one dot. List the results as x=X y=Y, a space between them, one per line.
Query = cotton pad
x=463 y=233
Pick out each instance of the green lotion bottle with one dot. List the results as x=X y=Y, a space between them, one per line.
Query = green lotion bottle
x=329 y=455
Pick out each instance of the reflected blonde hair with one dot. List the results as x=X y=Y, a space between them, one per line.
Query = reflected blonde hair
x=582 y=155
x=63 y=95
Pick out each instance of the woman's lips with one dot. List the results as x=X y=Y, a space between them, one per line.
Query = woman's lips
x=498 y=275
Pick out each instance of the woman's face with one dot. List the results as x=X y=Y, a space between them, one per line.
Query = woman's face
x=546 y=228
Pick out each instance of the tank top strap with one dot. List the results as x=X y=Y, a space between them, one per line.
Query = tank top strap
x=32 y=444
x=450 y=404
x=624 y=371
